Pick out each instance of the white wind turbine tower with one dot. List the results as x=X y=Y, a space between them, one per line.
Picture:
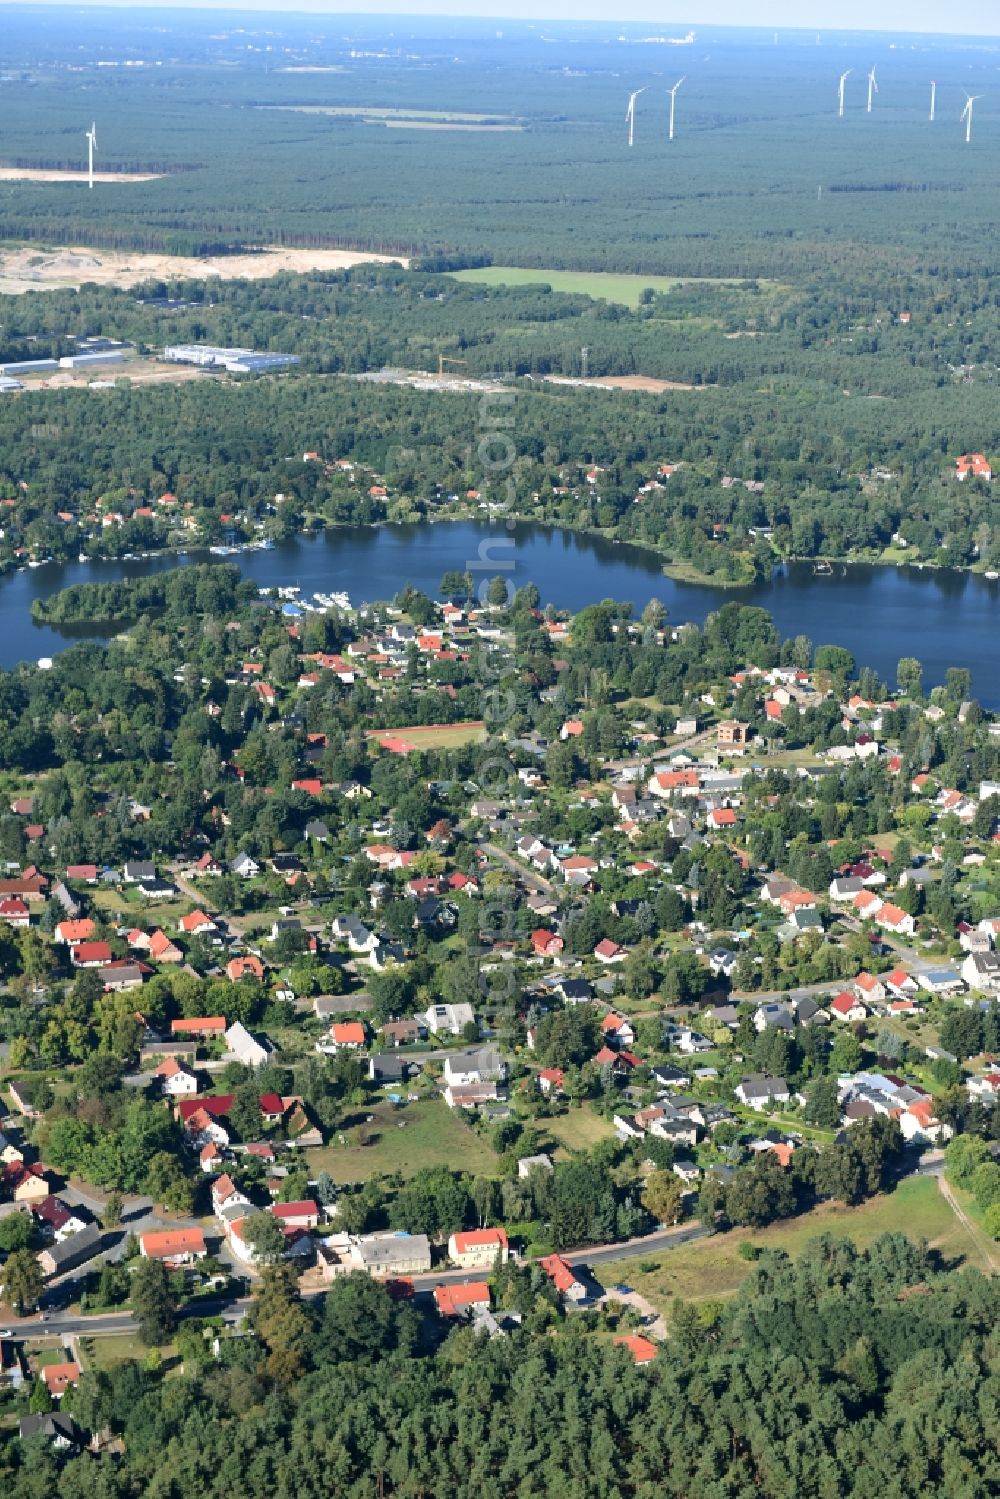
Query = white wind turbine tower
x=872 y=89
x=933 y=99
x=840 y=91
x=630 y=112
x=91 y=148
x=673 y=95
x=970 y=99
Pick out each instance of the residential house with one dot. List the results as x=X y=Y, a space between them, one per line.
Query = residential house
x=546 y=944
x=563 y=1277
x=448 y=1019
x=343 y=1035
x=388 y=1255
x=482 y=1064
x=460 y=1301
x=58 y=1378
x=478 y=1247
x=69 y=1254
x=173 y=1246
x=758 y=1091
x=174 y=1079
x=246 y=1048
x=847 y=1007
x=981 y=971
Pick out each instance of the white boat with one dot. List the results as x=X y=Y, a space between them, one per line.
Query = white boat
x=991 y=575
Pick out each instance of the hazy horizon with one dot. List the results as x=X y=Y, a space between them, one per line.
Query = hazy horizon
x=975 y=17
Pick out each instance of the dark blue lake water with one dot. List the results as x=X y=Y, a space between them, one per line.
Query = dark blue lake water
x=878 y=613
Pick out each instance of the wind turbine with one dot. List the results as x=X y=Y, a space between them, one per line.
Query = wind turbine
x=673 y=95
x=970 y=99
x=840 y=91
x=933 y=99
x=630 y=112
x=91 y=148
x=872 y=89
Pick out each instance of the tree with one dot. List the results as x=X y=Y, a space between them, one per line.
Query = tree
x=282 y=1322
x=245 y=1115
x=16 y=1232
x=845 y=1053
x=909 y=675
x=823 y=1105
x=154 y=1302
x=760 y=1192
x=357 y=1323
x=113 y=1210
x=22 y=1281
x=263 y=1234
x=663 y=1196
x=963 y=1156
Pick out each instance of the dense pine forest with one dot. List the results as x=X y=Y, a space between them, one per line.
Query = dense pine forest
x=812 y=414
x=870 y=1373
x=234 y=115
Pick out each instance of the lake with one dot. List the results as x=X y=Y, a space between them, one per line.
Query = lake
x=879 y=613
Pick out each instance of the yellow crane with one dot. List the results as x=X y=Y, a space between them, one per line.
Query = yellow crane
x=442 y=361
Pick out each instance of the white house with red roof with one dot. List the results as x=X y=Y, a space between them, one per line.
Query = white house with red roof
x=479 y=1247
x=894 y=919
x=546 y=944
x=973 y=465
x=617 y=1031
x=175 y=1080
x=847 y=1007
x=607 y=951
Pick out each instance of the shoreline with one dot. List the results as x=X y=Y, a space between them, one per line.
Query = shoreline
x=679 y=571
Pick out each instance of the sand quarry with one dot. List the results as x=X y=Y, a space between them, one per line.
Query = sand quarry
x=30 y=268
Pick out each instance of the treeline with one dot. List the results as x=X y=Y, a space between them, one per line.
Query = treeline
x=203 y=589
x=869 y=1372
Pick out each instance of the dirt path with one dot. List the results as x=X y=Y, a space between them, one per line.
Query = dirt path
x=985 y=1247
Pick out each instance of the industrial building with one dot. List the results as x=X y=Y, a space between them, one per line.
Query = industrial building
x=8 y=384
x=235 y=361
x=88 y=360
x=28 y=366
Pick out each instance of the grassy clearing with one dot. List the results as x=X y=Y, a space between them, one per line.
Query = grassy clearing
x=710 y=1268
x=609 y=285
x=432 y=1135
x=104 y=1353
x=435 y=736
x=44 y=1354
x=580 y=1129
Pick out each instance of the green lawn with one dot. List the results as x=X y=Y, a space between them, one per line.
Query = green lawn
x=580 y=1129
x=102 y=1353
x=435 y=736
x=613 y=287
x=710 y=1268
x=431 y=1135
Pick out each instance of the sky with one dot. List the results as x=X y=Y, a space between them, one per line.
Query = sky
x=968 y=17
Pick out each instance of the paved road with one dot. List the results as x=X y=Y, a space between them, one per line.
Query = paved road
x=528 y=876
x=59 y=1324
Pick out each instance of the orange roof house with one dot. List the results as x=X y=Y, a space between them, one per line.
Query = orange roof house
x=173 y=1245
x=641 y=1349
x=202 y=1025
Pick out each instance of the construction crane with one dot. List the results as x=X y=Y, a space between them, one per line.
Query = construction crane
x=442 y=361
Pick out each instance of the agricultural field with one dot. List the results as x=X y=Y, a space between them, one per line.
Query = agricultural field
x=606 y=285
